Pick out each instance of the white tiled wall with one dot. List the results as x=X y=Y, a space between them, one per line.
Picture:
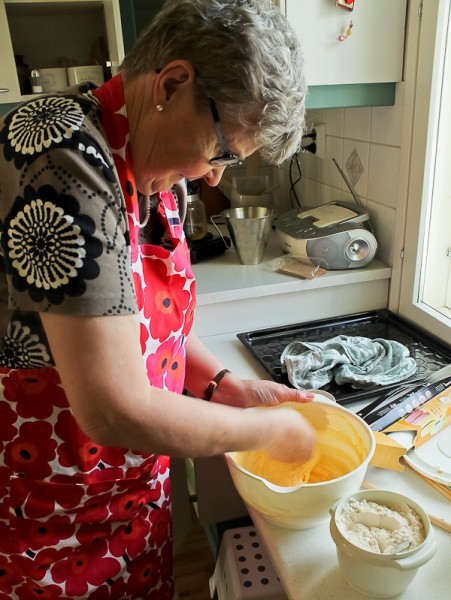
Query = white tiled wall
x=375 y=134
x=372 y=135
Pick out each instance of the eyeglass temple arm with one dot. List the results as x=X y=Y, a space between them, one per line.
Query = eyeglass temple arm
x=219 y=132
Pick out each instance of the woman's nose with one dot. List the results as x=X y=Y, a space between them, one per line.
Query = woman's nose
x=213 y=177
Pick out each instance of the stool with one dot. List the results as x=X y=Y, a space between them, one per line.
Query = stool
x=243 y=569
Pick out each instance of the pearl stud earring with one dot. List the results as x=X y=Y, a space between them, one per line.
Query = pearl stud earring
x=159 y=107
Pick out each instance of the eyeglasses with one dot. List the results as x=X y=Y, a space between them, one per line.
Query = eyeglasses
x=226 y=158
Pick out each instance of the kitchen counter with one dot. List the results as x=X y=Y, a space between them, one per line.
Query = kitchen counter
x=224 y=278
x=255 y=296
x=306 y=560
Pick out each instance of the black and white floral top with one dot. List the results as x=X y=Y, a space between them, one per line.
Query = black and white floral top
x=79 y=519
x=64 y=244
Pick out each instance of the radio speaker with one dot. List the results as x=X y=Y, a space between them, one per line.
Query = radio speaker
x=349 y=249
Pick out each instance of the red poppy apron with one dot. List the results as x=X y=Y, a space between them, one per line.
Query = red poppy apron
x=78 y=519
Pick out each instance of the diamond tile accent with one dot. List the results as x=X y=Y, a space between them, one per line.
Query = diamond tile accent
x=354 y=166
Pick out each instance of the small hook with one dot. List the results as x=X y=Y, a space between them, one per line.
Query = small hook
x=342 y=38
x=212 y=219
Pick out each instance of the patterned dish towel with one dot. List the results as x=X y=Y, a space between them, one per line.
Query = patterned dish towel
x=359 y=361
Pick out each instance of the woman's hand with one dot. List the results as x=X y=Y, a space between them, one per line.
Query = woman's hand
x=290 y=437
x=245 y=393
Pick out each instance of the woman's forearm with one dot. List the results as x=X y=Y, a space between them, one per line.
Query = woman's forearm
x=201 y=366
x=106 y=383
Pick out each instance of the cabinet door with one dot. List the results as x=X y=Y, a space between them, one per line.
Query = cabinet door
x=114 y=33
x=9 y=83
x=46 y=32
x=373 y=53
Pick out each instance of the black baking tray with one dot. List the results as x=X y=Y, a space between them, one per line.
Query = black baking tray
x=430 y=354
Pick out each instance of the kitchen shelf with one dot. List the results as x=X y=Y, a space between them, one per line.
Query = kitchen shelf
x=351 y=95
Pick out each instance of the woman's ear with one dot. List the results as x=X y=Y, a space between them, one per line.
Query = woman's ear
x=174 y=76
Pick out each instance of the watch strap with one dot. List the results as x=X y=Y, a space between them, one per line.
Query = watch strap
x=214 y=384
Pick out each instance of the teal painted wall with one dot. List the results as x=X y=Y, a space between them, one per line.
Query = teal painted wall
x=347 y=96
x=4 y=108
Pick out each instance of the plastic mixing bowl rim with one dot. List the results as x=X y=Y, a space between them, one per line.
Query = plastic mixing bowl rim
x=282 y=489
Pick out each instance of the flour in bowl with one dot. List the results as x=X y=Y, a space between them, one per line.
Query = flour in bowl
x=377 y=528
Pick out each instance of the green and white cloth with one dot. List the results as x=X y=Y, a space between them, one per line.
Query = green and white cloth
x=360 y=361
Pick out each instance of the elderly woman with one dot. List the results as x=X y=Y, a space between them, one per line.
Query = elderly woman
x=98 y=299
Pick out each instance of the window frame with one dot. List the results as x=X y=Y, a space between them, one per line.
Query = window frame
x=429 y=75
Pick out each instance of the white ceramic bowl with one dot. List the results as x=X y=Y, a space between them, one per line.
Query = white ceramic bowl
x=238 y=200
x=380 y=575
x=249 y=191
x=346 y=444
x=92 y=73
x=250 y=186
x=53 y=80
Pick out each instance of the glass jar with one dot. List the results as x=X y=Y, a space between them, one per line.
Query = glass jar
x=196 y=226
x=35 y=80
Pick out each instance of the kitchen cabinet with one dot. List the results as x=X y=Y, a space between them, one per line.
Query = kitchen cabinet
x=56 y=33
x=361 y=69
x=137 y=14
x=9 y=82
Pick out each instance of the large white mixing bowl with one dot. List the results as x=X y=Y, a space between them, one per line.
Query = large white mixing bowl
x=346 y=445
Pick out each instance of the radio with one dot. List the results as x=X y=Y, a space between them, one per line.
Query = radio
x=332 y=236
x=337 y=235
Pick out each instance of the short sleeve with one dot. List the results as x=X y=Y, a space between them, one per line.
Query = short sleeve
x=64 y=233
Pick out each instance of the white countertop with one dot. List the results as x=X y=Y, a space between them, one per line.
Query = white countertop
x=306 y=560
x=224 y=278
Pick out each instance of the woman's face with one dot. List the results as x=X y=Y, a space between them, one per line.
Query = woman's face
x=178 y=143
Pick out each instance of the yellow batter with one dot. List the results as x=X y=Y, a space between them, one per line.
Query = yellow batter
x=275 y=471
x=339 y=450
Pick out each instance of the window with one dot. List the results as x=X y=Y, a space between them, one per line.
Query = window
x=425 y=295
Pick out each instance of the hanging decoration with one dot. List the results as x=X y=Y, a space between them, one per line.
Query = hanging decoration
x=343 y=37
x=345 y=4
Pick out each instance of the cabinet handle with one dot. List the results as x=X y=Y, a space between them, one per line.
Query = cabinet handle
x=4 y=90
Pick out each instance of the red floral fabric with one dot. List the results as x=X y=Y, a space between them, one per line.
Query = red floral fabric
x=78 y=519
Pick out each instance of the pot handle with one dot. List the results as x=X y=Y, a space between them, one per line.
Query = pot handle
x=418 y=558
x=212 y=219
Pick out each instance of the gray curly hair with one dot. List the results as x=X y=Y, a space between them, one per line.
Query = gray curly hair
x=245 y=55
